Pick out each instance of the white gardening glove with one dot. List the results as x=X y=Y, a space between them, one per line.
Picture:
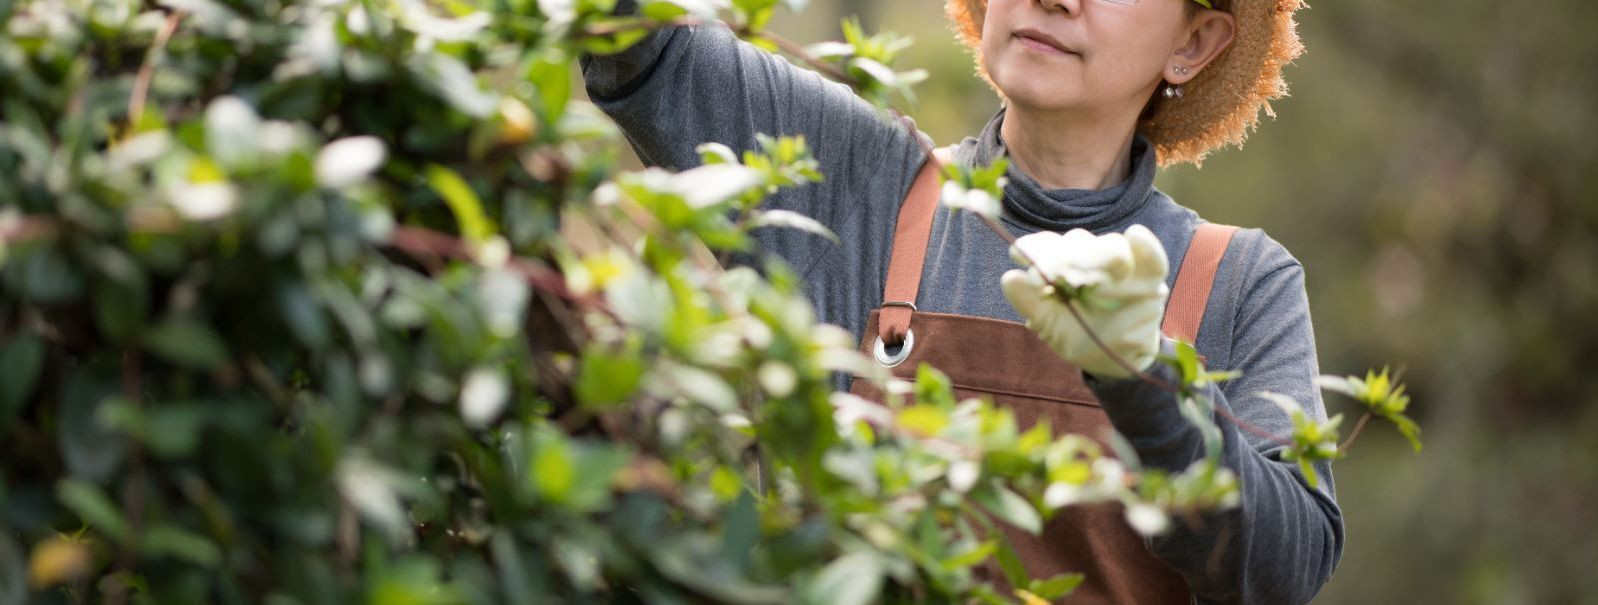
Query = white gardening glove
x=1124 y=298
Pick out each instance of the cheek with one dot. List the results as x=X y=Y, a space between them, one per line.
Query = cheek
x=1016 y=73
x=993 y=22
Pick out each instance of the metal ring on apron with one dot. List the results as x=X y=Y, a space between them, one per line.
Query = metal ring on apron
x=885 y=359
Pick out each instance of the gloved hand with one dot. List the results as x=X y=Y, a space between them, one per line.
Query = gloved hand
x=1121 y=282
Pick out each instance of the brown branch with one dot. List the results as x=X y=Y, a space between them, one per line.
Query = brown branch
x=26 y=228
x=788 y=46
x=415 y=240
x=1359 y=426
x=1252 y=428
x=1120 y=361
x=141 y=83
x=620 y=27
x=134 y=490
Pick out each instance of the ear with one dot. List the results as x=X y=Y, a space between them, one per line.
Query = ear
x=1208 y=34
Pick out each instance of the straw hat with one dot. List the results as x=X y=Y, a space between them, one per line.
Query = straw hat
x=1220 y=105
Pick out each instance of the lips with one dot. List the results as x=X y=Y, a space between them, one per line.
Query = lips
x=1042 y=42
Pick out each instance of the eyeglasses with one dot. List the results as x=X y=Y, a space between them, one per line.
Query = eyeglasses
x=1203 y=3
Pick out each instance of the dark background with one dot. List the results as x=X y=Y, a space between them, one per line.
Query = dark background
x=1433 y=171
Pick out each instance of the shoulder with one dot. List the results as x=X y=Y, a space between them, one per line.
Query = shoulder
x=1257 y=256
x=1258 y=282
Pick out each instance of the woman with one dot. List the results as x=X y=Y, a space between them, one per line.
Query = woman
x=1097 y=93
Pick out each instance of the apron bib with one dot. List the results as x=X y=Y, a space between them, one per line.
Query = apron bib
x=1006 y=362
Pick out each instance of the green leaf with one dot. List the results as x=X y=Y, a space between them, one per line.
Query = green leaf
x=513 y=577
x=1187 y=361
x=304 y=316
x=92 y=506
x=977 y=554
x=853 y=579
x=741 y=532
x=179 y=543
x=21 y=360
x=1010 y=507
x=455 y=83
x=1408 y=428
x=169 y=430
x=698 y=385
x=1308 y=471
x=604 y=379
x=90 y=449
x=187 y=342
x=553 y=471
x=1010 y=563
x=1057 y=586
x=551 y=74
x=13 y=564
x=45 y=276
x=612 y=43
x=933 y=386
x=121 y=296
x=463 y=202
x=924 y=420
x=792 y=220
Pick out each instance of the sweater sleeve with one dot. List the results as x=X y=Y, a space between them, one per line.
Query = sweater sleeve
x=683 y=86
x=1281 y=544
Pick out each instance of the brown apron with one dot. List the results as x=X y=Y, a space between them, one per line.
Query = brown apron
x=1006 y=362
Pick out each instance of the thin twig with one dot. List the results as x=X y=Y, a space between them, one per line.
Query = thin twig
x=1358 y=426
x=1120 y=361
x=1252 y=428
x=16 y=229
x=419 y=240
x=133 y=485
x=619 y=27
x=141 y=83
x=831 y=70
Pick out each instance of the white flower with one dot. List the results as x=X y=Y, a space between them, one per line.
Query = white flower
x=230 y=130
x=369 y=488
x=704 y=186
x=963 y=475
x=483 y=396
x=1147 y=519
x=848 y=408
x=349 y=161
x=205 y=201
x=779 y=379
x=974 y=200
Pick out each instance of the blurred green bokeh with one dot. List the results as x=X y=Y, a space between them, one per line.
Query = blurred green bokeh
x=1433 y=169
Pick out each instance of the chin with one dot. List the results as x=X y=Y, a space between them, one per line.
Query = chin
x=1027 y=84
x=1036 y=92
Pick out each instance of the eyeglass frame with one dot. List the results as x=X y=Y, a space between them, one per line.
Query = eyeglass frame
x=1203 y=3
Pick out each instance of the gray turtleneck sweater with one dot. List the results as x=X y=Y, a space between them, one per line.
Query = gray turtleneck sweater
x=684 y=86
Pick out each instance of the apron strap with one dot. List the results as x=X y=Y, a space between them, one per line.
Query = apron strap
x=910 y=236
x=1184 y=312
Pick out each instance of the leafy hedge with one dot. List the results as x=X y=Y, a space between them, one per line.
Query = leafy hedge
x=287 y=317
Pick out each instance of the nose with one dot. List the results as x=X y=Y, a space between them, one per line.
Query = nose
x=1069 y=6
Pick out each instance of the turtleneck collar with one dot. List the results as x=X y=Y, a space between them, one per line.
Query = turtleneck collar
x=1029 y=205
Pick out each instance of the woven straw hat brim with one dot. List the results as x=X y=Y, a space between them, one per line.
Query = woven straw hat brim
x=1221 y=105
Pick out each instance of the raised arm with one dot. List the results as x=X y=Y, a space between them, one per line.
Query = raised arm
x=1282 y=543
x=687 y=85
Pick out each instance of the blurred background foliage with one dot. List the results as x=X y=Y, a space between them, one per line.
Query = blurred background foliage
x=1433 y=170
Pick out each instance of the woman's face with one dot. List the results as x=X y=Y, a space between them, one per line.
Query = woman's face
x=1080 y=55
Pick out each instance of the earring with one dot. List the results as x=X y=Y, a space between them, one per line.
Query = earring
x=1181 y=70
x=1173 y=91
